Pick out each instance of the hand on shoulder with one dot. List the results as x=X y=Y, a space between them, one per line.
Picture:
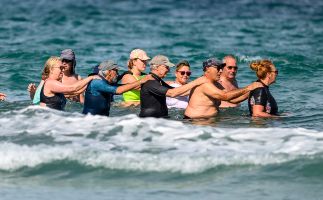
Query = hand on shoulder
x=254 y=85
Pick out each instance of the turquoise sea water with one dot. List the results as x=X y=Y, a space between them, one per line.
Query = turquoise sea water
x=46 y=154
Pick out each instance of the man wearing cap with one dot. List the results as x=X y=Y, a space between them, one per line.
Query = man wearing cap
x=99 y=93
x=153 y=92
x=228 y=80
x=205 y=99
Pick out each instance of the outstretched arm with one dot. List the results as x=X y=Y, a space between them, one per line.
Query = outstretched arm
x=216 y=93
x=174 y=92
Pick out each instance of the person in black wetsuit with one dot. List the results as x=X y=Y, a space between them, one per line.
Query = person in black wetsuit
x=99 y=93
x=52 y=92
x=153 y=92
x=260 y=102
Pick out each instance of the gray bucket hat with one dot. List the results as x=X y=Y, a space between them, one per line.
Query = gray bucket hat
x=68 y=54
x=107 y=65
x=161 y=60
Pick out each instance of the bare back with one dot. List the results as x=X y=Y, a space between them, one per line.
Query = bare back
x=201 y=105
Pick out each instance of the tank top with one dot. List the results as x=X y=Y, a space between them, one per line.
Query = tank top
x=177 y=102
x=132 y=95
x=58 y=101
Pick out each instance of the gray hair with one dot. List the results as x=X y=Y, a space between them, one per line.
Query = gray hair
x=153 y=66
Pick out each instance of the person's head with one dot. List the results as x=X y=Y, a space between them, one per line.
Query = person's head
x=230 y=69
x=138 y=59
x=160 y=65
x=265 y=70
x=68 y=60
x=212 y=68
x=182 y=72
x=53 y=67
x=109 y=70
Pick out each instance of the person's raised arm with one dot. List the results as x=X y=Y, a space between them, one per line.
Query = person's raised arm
x=216 y=93
x=174 y=92
x=58 y=87
x=133 y=85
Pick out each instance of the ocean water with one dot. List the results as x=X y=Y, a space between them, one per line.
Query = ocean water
x=46 y=154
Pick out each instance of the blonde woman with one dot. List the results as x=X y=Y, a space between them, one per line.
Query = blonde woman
x=261 y=103
x=52 y=92
x=136 y=65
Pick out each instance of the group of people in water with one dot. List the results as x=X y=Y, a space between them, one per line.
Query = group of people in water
x=201 y=98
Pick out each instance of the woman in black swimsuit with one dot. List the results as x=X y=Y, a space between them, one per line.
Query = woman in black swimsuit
x=261 y=103
x=52 y=93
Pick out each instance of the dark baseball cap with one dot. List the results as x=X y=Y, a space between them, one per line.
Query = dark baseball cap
x=213 y=62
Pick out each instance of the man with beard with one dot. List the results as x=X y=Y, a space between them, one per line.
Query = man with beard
x=99 y=93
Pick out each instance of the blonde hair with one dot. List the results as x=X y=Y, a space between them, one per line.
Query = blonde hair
x=262 y=67
x=51 y=61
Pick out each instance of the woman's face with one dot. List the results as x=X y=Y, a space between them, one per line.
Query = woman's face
x=57 y=70
x=183 y=74
x=273 y=75
x=140 y=64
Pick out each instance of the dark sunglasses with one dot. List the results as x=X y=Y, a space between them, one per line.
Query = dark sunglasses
x=276 y=72
x=218 y=67
x=67 y=61
x=187 y=73
x=232 y=67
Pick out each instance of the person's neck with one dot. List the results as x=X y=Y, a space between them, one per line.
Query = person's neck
x=67 y=73
x=226 y=79
x=211 y=80
x=156 y=73
x=265 y=81
x=135 y=72
x=177 y=82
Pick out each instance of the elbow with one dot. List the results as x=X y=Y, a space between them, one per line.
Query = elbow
x=171 y=93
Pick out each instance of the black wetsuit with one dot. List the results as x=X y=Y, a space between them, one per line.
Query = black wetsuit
x=262 y=96
x=58 y=101
x=98 y=97
x=153 y=98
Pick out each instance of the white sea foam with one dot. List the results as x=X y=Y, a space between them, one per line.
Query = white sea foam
x=132 y=143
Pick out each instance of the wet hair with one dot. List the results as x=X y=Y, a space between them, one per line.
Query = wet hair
x=181 y=64
x=262 y=67
x=228 y=56
x=48 y=65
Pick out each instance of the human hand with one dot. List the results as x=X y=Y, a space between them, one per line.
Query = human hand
x=201 y=80
x=254 y=85
x=146 y=78
x=2 y=96
x=31 y=88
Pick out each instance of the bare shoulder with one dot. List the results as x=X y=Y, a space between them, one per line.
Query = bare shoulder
x=78 y=77
x=128 y=78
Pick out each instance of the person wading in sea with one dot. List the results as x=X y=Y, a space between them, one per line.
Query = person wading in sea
x=205 y=99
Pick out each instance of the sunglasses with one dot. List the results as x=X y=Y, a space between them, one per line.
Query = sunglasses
x=188 y=73
x=61 y=68
x=67 y=61
x=232 y=67
x=218 y=67
x=276 y=72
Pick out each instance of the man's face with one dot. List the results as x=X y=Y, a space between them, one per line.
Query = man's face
x=230 y=69
x=68 y=64
x=112 y=75
x=214 y=72
x=162 y=71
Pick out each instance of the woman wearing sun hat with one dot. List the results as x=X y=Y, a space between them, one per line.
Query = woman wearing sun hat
x=136 y=67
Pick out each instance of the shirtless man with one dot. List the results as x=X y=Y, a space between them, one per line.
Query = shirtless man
x=205 y=99
x=228 y=80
